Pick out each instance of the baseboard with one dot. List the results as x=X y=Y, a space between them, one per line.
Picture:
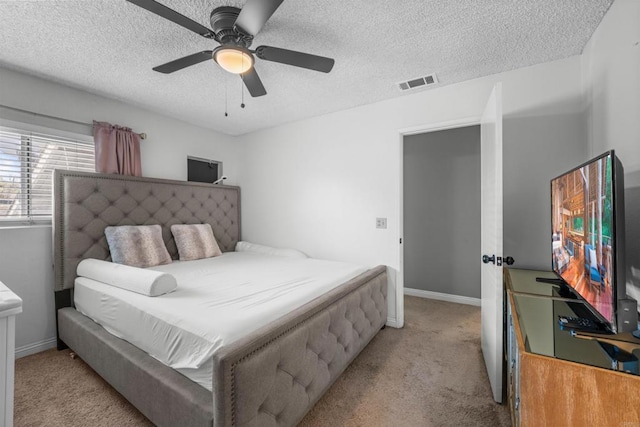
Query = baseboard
x=392 y=321
x=36 y=347
x=442 y=297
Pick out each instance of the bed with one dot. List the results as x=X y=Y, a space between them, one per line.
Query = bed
x=272 y=376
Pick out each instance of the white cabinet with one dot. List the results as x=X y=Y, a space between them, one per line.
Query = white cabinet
x=10 y=305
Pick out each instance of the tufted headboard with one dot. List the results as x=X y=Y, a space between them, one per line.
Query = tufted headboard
x=86 y=203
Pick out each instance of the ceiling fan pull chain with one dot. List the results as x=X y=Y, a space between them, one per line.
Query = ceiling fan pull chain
x=226 y=113
x=242 y=86
x=242 y=101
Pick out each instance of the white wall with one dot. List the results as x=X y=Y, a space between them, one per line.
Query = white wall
x=26 y=267
x=168 y=140
x=611 y=75
x=611 y=70
x=25 y=253
x=319 y=184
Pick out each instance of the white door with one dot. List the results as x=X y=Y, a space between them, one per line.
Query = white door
x=491 y=236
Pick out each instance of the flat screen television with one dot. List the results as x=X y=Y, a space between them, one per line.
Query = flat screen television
x=587 y=240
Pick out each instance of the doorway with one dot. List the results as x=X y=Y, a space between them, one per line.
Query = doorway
x=441 y=214
x=491 y=289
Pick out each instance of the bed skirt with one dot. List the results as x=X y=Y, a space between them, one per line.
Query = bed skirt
x=271 y=378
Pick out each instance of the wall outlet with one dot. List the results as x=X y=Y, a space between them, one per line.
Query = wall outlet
x=381 y=222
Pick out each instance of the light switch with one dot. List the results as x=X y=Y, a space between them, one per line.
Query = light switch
x=381 y=222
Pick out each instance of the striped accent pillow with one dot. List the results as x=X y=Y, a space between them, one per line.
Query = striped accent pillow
x=195 y=241
x=137 y=245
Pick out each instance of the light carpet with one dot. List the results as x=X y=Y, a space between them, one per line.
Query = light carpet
x=429 y=373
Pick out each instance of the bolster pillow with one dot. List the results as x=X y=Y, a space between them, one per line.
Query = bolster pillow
x=146 y=282
x=268 y=250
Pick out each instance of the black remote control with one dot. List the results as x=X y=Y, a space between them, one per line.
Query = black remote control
x=581 y=324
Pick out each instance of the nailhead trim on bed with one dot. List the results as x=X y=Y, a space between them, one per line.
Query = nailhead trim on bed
x=312 y=353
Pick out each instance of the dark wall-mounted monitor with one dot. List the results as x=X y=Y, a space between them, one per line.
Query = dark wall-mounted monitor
x=203 y=170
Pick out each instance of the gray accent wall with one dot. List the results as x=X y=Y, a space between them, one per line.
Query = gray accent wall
x=441 y=193
x=537 y=147
x=442 y=229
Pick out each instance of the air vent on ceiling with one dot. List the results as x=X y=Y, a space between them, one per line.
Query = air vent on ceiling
x=428 y=80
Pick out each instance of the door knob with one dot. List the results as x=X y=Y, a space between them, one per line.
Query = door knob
x=509 y=260
x=489 y=259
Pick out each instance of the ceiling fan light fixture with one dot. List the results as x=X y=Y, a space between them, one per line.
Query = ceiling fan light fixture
x=233 y=59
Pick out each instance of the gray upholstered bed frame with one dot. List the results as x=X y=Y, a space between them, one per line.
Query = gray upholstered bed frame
x=270 y=378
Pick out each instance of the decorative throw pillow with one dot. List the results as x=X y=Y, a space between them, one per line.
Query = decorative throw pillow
x=137 y=245
x=195 y=241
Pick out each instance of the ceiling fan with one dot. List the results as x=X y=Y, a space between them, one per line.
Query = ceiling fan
x=235 y=29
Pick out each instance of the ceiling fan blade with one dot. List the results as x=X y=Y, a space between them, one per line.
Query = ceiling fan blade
x=297 y=59
x=173 y=16
x=185 y=62
x=253 y=83
x=254 y=14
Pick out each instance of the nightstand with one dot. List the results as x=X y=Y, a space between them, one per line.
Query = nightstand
x=10 y=305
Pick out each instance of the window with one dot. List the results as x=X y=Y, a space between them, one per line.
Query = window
x=27 y=161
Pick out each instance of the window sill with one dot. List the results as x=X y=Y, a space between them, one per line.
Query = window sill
x=12 y=225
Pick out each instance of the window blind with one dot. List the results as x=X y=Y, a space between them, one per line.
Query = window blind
x=27 y=162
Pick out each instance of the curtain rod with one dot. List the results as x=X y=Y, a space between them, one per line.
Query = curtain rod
x=142 y=135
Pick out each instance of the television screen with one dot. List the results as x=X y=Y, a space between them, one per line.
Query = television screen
x=583 y=232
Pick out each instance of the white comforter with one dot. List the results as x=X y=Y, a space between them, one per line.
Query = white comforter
x=218 y=300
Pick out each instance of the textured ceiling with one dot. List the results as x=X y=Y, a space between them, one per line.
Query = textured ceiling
x=108 y=47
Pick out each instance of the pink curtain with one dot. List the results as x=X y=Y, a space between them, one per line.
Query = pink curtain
x=117 y=149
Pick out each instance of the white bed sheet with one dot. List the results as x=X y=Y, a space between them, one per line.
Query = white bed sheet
x=218 y=301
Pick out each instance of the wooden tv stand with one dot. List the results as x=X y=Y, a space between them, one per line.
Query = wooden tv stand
x=554 y=379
